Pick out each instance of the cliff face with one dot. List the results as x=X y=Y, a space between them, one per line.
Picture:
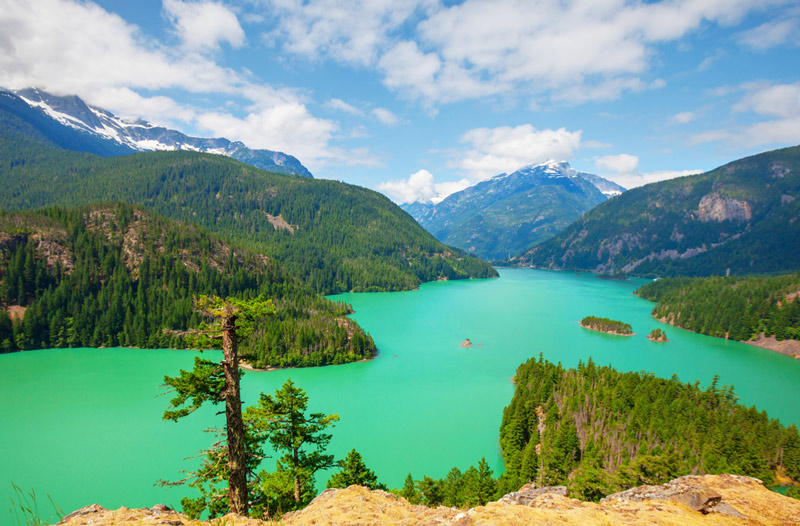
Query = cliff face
x=708 y=500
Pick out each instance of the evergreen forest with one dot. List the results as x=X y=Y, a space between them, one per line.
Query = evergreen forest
x=598 y=431
x=738 y=308
x=118 y=275
x=606 y=325
x=740 y=218
x=335 y=236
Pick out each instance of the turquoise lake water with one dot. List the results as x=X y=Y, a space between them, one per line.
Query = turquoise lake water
x=84 y=425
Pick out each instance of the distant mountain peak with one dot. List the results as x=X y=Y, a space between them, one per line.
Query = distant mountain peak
x=129 y=135
x=505 y=214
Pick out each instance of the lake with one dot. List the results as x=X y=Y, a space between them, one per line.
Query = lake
x=84 y=425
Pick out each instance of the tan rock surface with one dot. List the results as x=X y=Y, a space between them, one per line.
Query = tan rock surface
x=359 y=506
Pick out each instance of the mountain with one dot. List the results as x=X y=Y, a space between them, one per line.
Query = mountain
x=507 y=214
x=335 y=236
x=741 y=218
x=118 y=275
x=70 y=123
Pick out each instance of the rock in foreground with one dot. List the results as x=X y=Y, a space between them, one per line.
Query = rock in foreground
x=716 y=500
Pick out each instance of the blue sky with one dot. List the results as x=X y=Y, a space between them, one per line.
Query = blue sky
x=419 y=98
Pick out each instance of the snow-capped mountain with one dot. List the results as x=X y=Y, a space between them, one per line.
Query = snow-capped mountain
x=509 y=213
x=109 y=134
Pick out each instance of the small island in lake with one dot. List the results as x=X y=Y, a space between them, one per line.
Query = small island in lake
x=606 y=325
x=657 y=335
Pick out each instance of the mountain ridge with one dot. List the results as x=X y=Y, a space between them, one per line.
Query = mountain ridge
x=502 y=216
x=743 y=217
x=335 y=236
x=105 y=133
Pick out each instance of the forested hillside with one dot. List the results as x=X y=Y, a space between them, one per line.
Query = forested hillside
x=598 y=431
x=739 y=308
x=743 y=217
x=337 y=237
x=117 y=275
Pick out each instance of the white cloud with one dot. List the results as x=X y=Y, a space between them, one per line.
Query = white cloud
x=385 y=116
x=441 y=52
x=351 y=32
x=129 y=104
x=624 y=170
x=72 y=47
x=632 y=180
x=771 y=34
x=779 y=102
x=683 y=117
x=203 y=25
x=622 y=163
x=507 y=149
x=420 y=187
x=289 y=128
x=577 y=51
x=340 y=105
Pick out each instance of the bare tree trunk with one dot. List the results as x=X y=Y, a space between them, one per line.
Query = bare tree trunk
x=296 y=475
x=237 y=459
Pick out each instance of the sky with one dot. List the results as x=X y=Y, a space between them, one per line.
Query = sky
x=421 y=98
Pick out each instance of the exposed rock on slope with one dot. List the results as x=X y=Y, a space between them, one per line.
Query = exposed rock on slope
x=743 y=217
x=725 y=499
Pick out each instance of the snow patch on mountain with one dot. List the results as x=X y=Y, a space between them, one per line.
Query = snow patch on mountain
x=139 y=135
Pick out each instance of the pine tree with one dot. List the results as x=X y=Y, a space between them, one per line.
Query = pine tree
x=283 y=420
x=354 y=471
x=211 y=382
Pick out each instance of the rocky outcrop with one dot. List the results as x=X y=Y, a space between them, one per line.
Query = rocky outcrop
x=528 y=493
x=698 y=497
x=717 y=500
x=716 y=207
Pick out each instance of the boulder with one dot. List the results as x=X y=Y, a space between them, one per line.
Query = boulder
x=527 y=493
x=696 y=496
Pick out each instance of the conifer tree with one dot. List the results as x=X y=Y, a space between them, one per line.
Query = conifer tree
x=354 y=471
x=212 y=382
x=283 y=420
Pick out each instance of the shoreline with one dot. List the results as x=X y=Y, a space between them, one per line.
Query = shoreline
x=243 y=364
x=790 y=348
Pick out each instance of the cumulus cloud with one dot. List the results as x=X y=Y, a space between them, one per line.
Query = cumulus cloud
x=289 y=128
x=203 y=25
x=622 y=163
x=441 y=52
x=76 y=47
x=575 y=51
x=507 y=149
x=640 y=179
x=420 y=187
x=385 y=116
x=623 y=169
x=351 y=32
x=779 y=103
